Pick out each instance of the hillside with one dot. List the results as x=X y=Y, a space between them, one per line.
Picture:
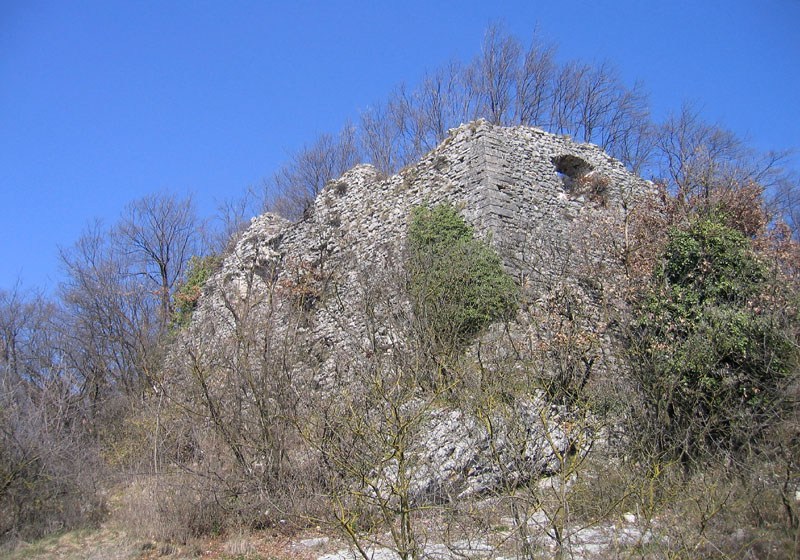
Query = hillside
x=512 y=348
x=306 y=325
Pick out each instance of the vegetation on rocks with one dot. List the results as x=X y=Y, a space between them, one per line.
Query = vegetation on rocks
x=190 y=290
x=456 y=282
x=644 y=390
x=712 y=351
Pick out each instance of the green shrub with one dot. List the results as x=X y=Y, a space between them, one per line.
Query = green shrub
x=188 y=293
x=456 y=282
x=709 y=350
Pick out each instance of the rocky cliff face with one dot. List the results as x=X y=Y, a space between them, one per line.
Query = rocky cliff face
x=532 y=195
x=524 y=190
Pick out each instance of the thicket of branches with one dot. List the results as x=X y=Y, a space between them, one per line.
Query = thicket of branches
x=706 y=301
x=74 y=367
x=510 y=83
x=507 y=83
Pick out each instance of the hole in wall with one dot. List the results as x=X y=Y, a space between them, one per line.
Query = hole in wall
x=571 y=167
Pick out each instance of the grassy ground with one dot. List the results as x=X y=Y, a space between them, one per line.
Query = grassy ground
x=112 y=544
x=84 y=544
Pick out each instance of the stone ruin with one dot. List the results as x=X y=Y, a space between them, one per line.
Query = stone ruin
x=522 y=189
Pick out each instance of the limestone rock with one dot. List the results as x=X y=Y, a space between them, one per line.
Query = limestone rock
x=459 y=458
x=522 y=189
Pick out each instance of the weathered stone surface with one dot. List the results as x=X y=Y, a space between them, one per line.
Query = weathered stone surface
x=516 y=186
x=527 y=440
x=504 y=180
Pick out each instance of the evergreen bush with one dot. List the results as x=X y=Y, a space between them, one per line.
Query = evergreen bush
x=456 y=282
x=188 y=293
x=710 y=352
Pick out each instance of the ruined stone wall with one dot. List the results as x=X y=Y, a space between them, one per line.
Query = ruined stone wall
x=285 y=325
x=505 y=181
x=529 y=193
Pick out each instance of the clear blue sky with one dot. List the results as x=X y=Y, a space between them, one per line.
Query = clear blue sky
x=104 y=101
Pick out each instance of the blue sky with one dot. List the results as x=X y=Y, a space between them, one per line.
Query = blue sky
x=102 y=102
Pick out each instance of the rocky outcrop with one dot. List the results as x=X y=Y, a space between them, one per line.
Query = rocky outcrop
x=523 y=190
x=460 y=458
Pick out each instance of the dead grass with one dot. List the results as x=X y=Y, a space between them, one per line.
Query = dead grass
x=239 y=544
x=711 y=514
x=171 y=508
x=91 y=544
x=112 y=544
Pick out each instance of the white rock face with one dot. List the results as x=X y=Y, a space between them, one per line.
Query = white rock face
x=527 y=440
x=513 y=185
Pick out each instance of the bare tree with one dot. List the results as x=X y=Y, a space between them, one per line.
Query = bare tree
x=493 y=75
x=118 y=293
x=412 y=122
x=232 y=217
x=534 y=86
x=25 y=336
x=295 y=185
x=566 y=99
x=707 y=168
x=693 y=152
x=111 y=321
x=786 y=199
x=48 y=461
x=160 y=233
x=383 y=132
x=630 y=134
x=444 y=102
x=503 y=84
x=595 y=100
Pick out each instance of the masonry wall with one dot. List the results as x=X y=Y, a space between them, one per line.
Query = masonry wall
x=512 y=184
